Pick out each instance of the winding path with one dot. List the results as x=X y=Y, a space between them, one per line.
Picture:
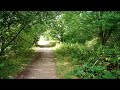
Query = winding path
x=42 y=67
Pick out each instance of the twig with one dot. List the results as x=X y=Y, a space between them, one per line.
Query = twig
x=95 y=63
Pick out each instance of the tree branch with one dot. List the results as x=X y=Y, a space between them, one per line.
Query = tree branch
x=25 y=39
x=24 y=26
x=2 y=49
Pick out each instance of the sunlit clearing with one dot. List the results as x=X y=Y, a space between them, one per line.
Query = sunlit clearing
x=43 y=41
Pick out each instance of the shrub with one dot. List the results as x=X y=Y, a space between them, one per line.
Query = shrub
x=52 y=43
x=100 y=62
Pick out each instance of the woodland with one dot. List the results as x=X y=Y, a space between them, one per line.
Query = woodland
x=85 y=43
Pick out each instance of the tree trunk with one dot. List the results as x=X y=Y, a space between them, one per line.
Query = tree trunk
x=104 y=36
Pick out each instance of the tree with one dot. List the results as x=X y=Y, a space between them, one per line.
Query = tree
x=17 y=25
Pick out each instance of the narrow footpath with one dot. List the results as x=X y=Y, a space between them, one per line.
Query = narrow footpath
x=42 y=67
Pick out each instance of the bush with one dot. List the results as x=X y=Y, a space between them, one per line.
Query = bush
x=96 y=72
x=73 y=50
x=11 y=66
x=98 y=62
x=52 y=43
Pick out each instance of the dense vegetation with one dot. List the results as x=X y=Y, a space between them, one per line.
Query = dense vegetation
x=90 y=45
x=89 y=42
x=19 y=31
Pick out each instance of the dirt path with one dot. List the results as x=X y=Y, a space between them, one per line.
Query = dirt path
x=43 y=67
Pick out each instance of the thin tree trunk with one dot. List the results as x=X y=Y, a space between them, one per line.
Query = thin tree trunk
x=3 y=48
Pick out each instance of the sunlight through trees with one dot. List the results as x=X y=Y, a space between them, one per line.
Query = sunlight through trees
x=89 y=41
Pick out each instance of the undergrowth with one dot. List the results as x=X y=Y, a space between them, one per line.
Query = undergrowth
x=98 y=62
x=10 y=67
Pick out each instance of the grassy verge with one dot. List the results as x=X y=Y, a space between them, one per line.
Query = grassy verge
x=76 y=61
x=63 y=67
x=12 y=66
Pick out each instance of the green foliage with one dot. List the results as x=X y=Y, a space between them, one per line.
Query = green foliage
x=73 y=50
x=18 y=29
x=91 y=63
x=10 y=67
x=88 y=71
x=90 y=39
x=96 y=72
x=52 y=43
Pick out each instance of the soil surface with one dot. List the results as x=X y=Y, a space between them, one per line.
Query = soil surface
x=42 y=67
